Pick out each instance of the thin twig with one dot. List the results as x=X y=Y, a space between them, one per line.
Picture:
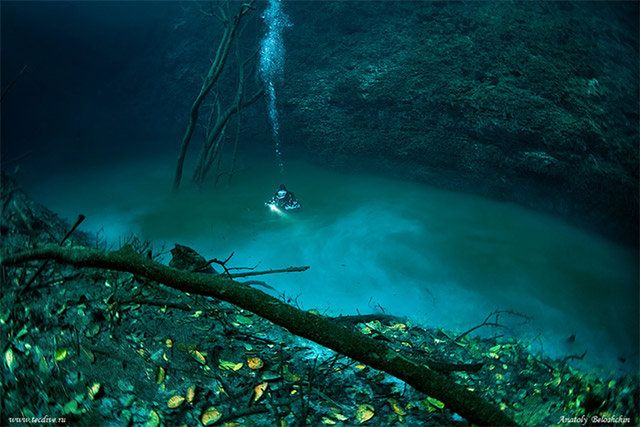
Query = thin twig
x=44 y=264
x=574 y=357
x=487 y=322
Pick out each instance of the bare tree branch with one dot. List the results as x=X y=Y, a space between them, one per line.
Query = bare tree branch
x=273 y=271
x=212 y=76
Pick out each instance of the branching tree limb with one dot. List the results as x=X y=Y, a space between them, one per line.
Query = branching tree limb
x=209 y=151
x=216 y=68
x=314 y=327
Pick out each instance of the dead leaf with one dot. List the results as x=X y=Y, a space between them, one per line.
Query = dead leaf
x=255 y=363
x=175 y=401
x=94 y=389
x=364 y=413
x=210 y=416
x=191 y=393
x=9 y=359
x=160 y=375
x=337 y=415
x=259 y=390
x=229 y=366
x=199 y=357
x=395 y=407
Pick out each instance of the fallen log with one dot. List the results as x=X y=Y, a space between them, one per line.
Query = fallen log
x=319 y=329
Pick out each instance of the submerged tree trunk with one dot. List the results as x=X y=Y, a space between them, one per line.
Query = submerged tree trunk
x=211 y=149
x=216 y=68
x=319 y=329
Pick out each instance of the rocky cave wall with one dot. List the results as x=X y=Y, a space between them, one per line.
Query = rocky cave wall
x=535 y=103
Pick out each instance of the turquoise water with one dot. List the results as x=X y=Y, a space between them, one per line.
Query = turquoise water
x=441 y=258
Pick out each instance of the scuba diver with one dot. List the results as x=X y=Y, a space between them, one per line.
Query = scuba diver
x=283 y=199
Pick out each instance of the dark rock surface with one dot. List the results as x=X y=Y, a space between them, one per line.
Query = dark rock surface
x=530 y=102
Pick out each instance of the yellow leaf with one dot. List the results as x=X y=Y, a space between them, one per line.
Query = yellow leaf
x=255 y=363
x=94 y=389
x=229 y=366
x=360 y=366
x=160 y=375
x=210 y=415
x=259 y=390
x=339 y=416
x=175 y=401
x=61 y=354
x=399 y=327
x=396 y=407
x=9 y=359
x=199 y=357
x=328 y=421
x=168 y=342
x=191 y=393
x=364 y=413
